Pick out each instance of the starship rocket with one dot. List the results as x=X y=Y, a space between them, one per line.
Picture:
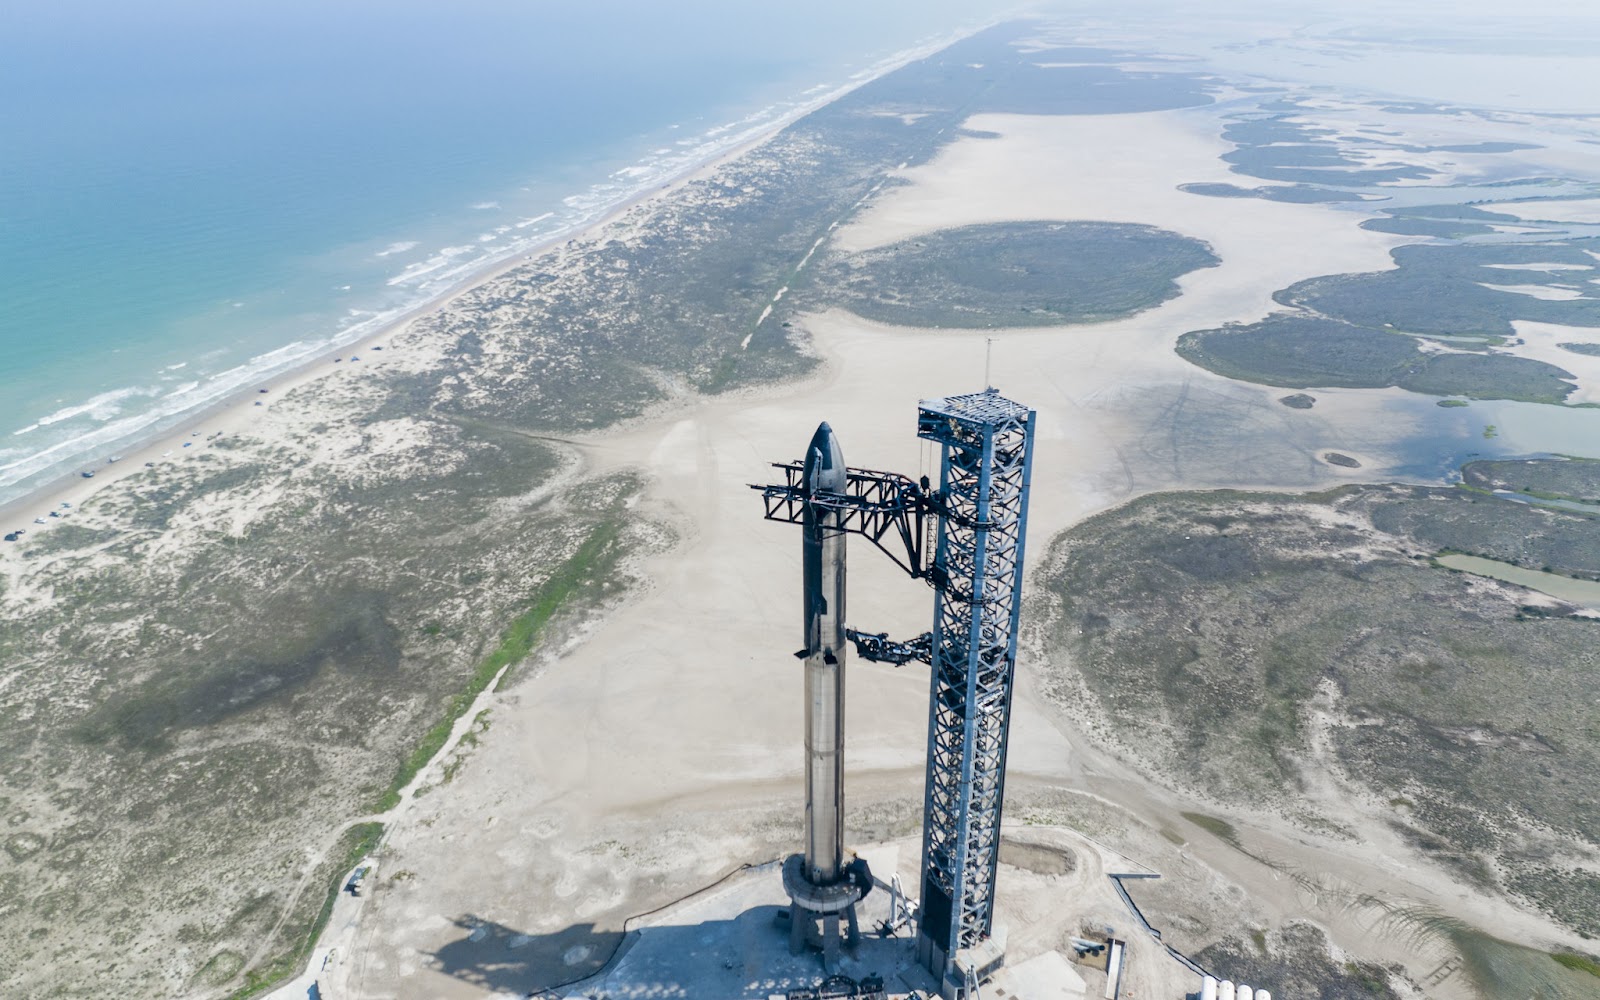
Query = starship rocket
x=824 y=650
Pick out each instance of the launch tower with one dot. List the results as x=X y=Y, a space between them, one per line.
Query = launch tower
x=981 y=510
x=985 y=461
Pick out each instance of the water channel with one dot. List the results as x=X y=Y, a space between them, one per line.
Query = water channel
x=1582 y=592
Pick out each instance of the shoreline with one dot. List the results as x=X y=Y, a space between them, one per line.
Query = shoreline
x=221 y=415
x=227 y=415
x=221 y=418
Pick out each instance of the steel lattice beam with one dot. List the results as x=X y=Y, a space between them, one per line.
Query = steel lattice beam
x=986 y=453
x=873 y=505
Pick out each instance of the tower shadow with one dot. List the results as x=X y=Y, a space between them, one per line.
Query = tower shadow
x=502 y=959
x=745 y=956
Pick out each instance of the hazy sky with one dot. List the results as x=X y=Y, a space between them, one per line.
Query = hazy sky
x=78 y=44
x=1539 y=55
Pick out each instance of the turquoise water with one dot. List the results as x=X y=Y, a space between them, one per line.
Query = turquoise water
x=195 y=195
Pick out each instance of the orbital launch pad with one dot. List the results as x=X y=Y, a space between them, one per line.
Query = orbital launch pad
x=973 y=524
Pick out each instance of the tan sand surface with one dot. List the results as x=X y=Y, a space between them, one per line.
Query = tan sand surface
x=1549 y=293
x=717 y=621
x=681 y=714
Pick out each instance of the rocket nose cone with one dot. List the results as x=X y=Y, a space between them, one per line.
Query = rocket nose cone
x=825 y=460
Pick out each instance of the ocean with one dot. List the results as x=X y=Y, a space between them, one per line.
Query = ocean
x=196 y=196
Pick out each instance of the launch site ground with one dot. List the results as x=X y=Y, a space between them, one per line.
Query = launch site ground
x=695 y=946
x=505 y=592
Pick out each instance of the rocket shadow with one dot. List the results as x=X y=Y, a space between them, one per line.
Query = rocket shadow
x=502 y=959
x=744 y=956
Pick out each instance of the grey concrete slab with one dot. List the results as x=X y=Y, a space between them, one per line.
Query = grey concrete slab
x=727 y=945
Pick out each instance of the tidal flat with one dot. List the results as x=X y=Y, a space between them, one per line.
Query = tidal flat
x=226 y=667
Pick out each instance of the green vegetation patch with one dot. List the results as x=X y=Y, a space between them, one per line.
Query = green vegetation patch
x=1562 y=541
x=1350 y=329
x=1016 y=274
x=22 y=846
x=1503 y=969
x=588 y=568
x=992 y=73
x=1571 y=479
x=1440 y=221
x=299 y=932
x=1301 y=351
x=1295 y=960
x=1440 y=290
x=351 y=637
x=1589 y=350
x=68 y=537
x=220 y=968
x=1213 y=630
x=1581 y=963
x=1567 y=893
x=1279 y=148
x=1219 y=828
x=1299 y=194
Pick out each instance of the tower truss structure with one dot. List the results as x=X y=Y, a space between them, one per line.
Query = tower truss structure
x=984 y=468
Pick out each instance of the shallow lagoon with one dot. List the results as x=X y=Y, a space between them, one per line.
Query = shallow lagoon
x=1445 y=438
x=1584 y=592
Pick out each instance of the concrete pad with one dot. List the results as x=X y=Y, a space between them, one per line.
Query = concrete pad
x=884 y=860
x=725 y=944
x=1049 y=976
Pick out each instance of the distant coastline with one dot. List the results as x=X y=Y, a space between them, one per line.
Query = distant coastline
x=144 y=437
